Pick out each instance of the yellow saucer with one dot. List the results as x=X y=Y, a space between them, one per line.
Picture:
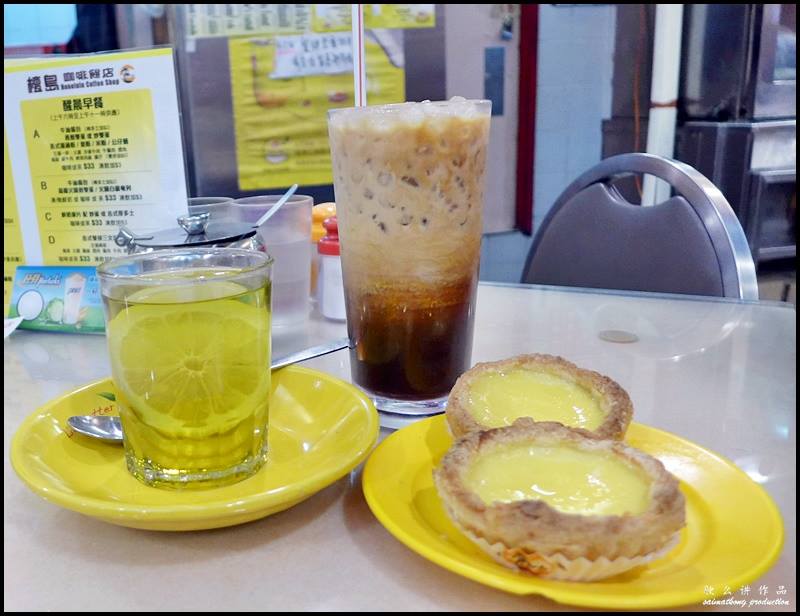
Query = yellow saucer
x=733 y=534
x=320 y=429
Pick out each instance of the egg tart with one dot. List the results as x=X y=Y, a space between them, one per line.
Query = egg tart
x=542 y=387
x=559 y=503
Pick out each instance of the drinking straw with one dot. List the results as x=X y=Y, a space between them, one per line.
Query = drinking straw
x=359 y=70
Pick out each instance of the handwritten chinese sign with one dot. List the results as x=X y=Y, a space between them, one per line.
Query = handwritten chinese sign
x=312 y=54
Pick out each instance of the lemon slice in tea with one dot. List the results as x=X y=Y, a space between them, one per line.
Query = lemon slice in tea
x=192 y=360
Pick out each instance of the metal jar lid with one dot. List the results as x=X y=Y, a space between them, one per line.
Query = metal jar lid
x=194 y=230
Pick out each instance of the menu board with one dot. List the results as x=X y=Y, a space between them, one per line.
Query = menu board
x=209 y=20
x=93 y=143
x=204 y=20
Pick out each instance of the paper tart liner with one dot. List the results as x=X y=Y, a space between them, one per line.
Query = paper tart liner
x=559 y=567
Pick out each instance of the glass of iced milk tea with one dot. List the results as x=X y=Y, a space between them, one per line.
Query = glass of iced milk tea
x=409 y=194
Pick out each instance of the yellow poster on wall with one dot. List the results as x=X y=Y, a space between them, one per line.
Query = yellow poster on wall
x=330 y=17
x=282 y=88
x=400 y=16
x=338 y=17
x=13 y=252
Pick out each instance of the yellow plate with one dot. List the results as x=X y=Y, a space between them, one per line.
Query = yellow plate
x=734 y=531
x=320 y=429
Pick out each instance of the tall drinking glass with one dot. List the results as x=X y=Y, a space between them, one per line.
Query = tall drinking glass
x=189 y=340
x=409 y=196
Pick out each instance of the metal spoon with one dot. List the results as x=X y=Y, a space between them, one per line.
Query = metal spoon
x=274 y=209
x=97 y=426
x=109 y=428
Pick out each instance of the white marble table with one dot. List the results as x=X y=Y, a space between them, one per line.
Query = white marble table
x=720 y=373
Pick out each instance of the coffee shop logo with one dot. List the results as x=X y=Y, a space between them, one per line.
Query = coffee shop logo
x=127 y=73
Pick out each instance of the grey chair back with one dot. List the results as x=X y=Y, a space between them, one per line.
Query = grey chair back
x=690 y=244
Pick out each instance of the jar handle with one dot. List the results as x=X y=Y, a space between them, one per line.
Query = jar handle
x=127 y=238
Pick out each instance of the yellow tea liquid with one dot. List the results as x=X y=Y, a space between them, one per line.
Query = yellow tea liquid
x=191 y=367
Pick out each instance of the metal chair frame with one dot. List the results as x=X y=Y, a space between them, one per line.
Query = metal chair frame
x=708 y=202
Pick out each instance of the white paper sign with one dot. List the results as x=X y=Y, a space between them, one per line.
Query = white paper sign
x=9 y=325
x=312 y=54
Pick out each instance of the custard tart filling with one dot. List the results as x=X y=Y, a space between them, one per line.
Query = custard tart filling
x=559 y=502
x=568 y=479
x=543 y=388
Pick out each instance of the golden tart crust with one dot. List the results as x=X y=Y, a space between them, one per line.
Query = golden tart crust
x=528 y=534
x=613 y=400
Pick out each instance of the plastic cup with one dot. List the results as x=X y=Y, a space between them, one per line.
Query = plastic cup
x=218 y=207
x=287 y=237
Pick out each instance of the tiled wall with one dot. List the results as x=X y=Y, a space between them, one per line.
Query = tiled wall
x=576 y=49
x=503 y=255
x=573 y=96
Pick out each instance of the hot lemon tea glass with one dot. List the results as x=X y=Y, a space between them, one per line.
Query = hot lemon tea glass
x=189 y=340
